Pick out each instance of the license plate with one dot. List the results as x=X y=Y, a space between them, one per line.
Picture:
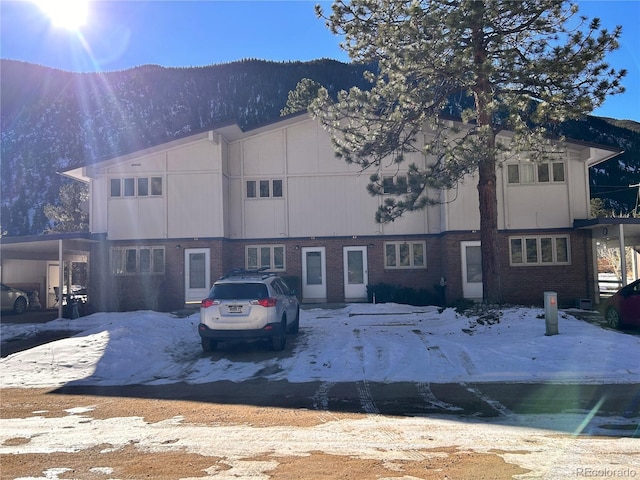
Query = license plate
x=235 y=309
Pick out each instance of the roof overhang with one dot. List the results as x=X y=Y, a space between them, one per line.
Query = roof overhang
x=47 y=247
x=609 y=228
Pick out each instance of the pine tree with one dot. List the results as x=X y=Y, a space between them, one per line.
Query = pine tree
x=299 y=99
x=523 y=63
x=69 y=216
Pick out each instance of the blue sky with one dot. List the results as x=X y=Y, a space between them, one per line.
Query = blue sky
x=124 y=34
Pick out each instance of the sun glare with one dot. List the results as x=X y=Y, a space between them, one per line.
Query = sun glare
x=68 y=14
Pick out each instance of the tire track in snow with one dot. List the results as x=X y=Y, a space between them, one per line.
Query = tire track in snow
x=496 y=405
x=321 y=397
x=424 y=389
x=364 y=392
x=366 y=399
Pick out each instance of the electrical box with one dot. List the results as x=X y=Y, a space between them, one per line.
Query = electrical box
x=551 y=312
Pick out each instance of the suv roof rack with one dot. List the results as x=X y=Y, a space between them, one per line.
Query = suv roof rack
x=242 y=272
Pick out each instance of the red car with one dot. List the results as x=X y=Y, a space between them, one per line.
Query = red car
x=623 y=308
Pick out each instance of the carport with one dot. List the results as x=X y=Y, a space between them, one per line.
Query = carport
x=620 y=232
x=38 y=262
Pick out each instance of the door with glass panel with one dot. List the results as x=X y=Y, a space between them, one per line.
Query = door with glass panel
x=197 y=274
x=471 y=270
x=314 y=275
x=355 y=273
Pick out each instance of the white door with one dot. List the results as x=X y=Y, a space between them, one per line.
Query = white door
x=355 y=273
x=197 y=274
x=471 y=270
x=53 y=283
x=314 y=275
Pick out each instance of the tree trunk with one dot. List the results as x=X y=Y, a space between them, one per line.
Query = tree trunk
x=491 y=283
x=483 y=94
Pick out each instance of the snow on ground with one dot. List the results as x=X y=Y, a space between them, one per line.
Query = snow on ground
x=381 y=343
x=385 y=343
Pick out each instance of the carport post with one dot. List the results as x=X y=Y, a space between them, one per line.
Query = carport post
x=623 y=256
x=60 y=278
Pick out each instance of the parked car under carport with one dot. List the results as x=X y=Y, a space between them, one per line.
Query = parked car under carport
x=623 y=308
x=14 y=300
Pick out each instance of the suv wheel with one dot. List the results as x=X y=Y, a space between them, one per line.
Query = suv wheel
x=278 y=342
x=209 y=345
x=295 y=326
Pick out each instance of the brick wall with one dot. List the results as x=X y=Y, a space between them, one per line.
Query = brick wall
x=525 y=285
x=521 y=285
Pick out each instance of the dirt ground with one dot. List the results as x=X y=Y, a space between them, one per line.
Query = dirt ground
x=132 y=462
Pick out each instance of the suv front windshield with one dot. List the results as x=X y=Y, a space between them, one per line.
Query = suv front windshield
x=236 y=291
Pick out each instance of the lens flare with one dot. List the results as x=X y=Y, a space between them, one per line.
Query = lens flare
x=67 y=14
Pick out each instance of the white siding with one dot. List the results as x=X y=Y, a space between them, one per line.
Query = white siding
x=265 y=218
x=98 y=205
x=200 y=156
x=309 y=151
x=16 y=271
x=138 y=166
x=132 y=218
x=462 y=207
x=263 y=155
x=331 y=206
x=205 y=178
x=190 y=204
x=537 y=206
x=578 y=184
x=323 y=195
x=194 y=205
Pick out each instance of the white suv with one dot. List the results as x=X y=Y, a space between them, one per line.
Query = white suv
x=248 y=305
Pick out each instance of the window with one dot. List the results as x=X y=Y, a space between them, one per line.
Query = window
x=551 y=172
x=543 y=172
x=137 y=260
x=156 y=186
x=251 y=189
x=115 y=187
x=129 y=187
x=123 y=261
x=143 y=187
x=405 y=255
x=558 y=171
x=524 y=173
x=277 y=188
x=395 y=185
x=261 y=256
x=280 y=286
x=264 y=188
x=132 y=187
x=387 y=185
x=539 y=250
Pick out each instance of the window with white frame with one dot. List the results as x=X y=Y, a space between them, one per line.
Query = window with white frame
x=270 y=257
x=539 y=250
x=530 y=173
x=267 y=188
x=135 y=187
x=405 y=255
x=136 y=260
